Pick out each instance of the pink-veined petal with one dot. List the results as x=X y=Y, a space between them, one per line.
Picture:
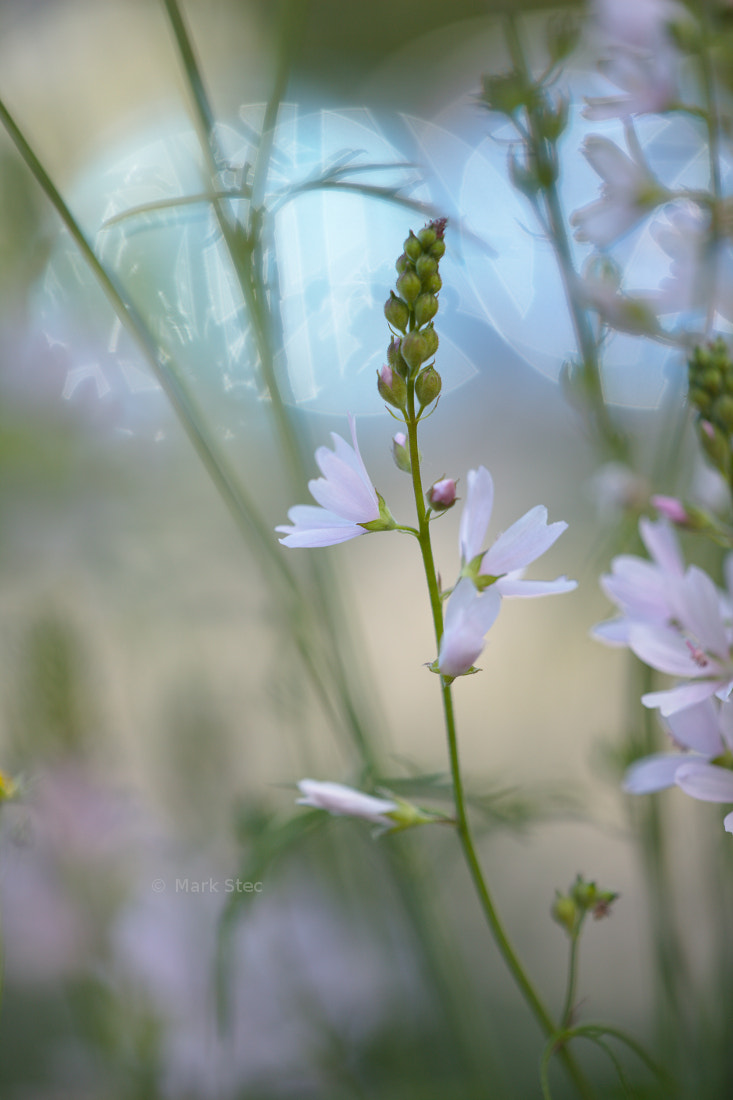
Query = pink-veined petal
x=664 y=649
x=613 y=632
x=697 y=604
x=314 y=527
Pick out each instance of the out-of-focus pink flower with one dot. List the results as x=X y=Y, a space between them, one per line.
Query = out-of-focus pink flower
x=629 y=192
x=345 y=494
x=701 y=270
x=706 y=731
x=639 y=56
x=671 y=508
x=641 y=589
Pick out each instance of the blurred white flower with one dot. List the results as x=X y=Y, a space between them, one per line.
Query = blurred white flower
x=706 y=731
x=616 y=488
x=338 y=799
x=346 y=496
x=629 y=192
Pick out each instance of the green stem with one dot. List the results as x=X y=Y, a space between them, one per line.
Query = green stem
x=493 y=920
x=569 y=1005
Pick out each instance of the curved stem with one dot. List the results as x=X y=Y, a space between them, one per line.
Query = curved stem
x=470 y=855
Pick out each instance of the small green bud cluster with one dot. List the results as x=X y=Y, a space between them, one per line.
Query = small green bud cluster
x=410 y=312
x=710 y=374
x=571 y=909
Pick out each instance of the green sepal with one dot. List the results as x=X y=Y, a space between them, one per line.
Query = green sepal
x=386 y=521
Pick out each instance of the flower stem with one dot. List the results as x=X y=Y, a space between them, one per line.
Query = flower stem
x=493 y=920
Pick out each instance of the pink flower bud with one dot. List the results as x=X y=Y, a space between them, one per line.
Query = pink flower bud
x=672 y=508
x=442 y=494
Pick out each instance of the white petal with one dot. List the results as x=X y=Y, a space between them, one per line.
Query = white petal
x=514 y=586
x=697 y=728
x=476 y=512
x=653 y=773
x=697 y=603
x=728 y=822
x=664 y=649
x=316 y=527
x=521 y=543
x=339 y=799
x=669 y=702
x=661 y=542
x=469 y=616
x=707 y=782
x=612 y=632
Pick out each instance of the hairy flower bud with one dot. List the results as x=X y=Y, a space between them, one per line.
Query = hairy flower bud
x=427 y=386
x=425 y=308
x=414 y=349
x=397 y=312
x=409 y=286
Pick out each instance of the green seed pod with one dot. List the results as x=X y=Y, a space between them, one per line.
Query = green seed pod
x=431 y=339
x=432 y=284
x=425 y=266
x=412 y=247
x=397 y=312
x=428 y=385
x=408 y=286
x=722 y=412
x=710 y=380
x=394 y=357
x=438 y=249
x=427 y=237
x=392 y=388
x=414 y=349
x=402 y=262
x=425 y=309
x=700 y=400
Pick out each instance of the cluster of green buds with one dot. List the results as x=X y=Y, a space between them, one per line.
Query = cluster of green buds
x=410 y=314
x=571 y=909
x=710 y=373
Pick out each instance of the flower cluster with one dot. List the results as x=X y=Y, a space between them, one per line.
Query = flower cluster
x=679 y=622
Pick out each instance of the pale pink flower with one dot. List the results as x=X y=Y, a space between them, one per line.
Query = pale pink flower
x=468 y=618
x=629 y=192
x=695 y=644
x=706 y=731
x=640 y=57
x=701 y=270
x=642 y=589
x=516 y=548
x=344 y=801
x=345 y=494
